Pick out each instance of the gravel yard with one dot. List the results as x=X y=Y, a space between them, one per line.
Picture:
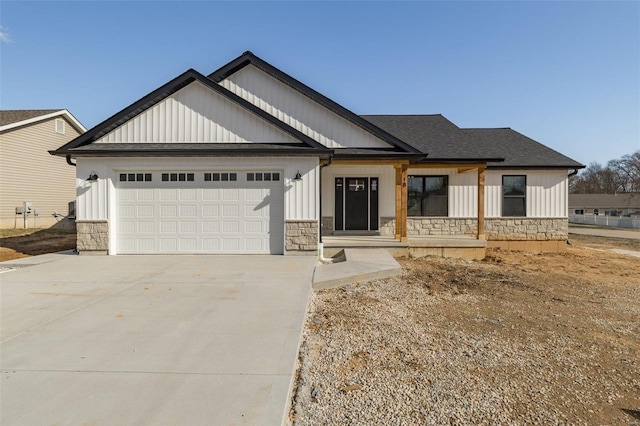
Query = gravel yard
x=515 y=339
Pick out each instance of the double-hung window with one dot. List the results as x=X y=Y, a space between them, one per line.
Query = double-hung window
x=514 y=195
x=428 y=196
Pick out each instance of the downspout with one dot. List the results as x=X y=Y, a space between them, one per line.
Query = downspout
x=322 y=166
x=573 y=173
x=69 y=162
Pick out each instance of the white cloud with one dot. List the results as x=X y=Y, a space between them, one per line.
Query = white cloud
x=4 y=35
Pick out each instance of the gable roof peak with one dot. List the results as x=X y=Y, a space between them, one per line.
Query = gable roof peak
x=248 y=58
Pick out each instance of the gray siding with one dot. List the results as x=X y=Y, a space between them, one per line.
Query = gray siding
x=29 y=173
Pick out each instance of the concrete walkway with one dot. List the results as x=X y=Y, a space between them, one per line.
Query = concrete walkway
x=630 y=234
x=150 y=340
x=360 y=265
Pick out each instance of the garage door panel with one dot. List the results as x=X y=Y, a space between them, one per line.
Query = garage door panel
x=188 y=245
x=145 y=194
x=211 y=245
x=167 y=194
x=126 y=212
x=188 y=210
x=231 y=245
x=210 y=227
x=210 y=194
x=169 y=245
x=145 y=245
x=168 y=210
x=145 y=227
x=231 y=217
x=168 y=227
x=253 y=227
x=144 y=211
x=230 y=210
x=187 y=194
x=230 y=194
x=210 y=211
x=188 y=227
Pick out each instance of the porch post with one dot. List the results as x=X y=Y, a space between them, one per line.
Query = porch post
x=480 y=235
x=403 y=234
x=398 y=231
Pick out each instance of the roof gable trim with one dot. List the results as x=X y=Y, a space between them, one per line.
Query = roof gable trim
x=167 y=90
x=63 y=112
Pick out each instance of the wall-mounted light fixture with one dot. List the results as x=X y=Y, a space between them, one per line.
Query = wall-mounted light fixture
x=93 y=177
x=298 y=177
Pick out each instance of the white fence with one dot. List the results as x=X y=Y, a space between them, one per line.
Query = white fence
x=615 y=221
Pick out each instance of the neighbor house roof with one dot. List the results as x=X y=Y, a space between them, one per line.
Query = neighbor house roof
x=82 y=144
x=626 y=200
x=248 y=58
x=10 y=119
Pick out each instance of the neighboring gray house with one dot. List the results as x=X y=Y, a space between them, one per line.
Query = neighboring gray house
x=28 y=173
x=250 y=160
x=622 y=204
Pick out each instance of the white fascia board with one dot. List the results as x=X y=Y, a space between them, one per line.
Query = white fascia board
x=62 y=112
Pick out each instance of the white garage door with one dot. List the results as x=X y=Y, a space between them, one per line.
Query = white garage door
x=228 y=212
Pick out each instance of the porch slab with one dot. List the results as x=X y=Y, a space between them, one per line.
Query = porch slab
x=360 y=265
x=333 y=244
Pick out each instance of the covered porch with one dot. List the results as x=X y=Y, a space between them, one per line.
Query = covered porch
x=459 y=233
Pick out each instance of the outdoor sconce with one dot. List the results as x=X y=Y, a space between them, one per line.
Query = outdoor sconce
x=93 y=177
x=298 y=177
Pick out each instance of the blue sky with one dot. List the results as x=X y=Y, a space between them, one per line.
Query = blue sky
x=564 y=73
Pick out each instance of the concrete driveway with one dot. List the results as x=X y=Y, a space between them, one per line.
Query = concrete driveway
x=150 y=340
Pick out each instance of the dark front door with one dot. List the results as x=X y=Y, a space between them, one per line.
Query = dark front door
x=356 y=200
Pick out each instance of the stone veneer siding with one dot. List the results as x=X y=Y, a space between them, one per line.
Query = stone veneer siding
x=423 y=226
x=522 y=228
x=301 y=236
x=327 y=225
x=388 y=226
x=92 y=236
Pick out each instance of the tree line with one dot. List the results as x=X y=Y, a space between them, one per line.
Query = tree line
x=619 y=175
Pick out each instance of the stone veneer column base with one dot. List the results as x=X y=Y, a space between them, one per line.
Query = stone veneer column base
x=92 y=236
x=301 y=237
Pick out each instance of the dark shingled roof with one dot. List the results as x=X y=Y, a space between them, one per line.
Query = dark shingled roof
x=434 y=135
x=443 y=140
x=16 y=115
x=518 y=149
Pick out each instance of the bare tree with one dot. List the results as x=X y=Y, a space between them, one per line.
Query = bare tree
x=620 y=175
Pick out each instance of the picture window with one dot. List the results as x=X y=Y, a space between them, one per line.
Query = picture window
x=428 y=196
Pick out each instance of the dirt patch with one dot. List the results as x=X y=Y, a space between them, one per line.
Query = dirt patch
x=516 y=339
x=19 y=243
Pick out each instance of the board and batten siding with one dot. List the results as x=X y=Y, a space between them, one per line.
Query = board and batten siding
x=547 y=192
x=463 y=190
x=97 y=200
x=195 y=114
x=299 y=111
x=29 y=173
